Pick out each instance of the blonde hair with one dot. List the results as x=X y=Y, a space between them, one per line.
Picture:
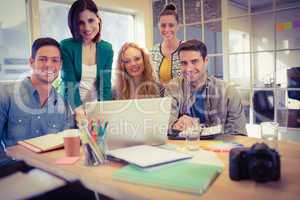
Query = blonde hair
x=124 y=82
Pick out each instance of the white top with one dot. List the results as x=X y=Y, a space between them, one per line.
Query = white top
x=87 y=84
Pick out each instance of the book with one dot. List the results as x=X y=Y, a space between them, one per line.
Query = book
x=181 y=176
x=146 y=156
x=44 y=143
x=207 y=131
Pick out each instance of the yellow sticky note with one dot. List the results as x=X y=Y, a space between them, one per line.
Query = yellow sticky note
x=288 y=25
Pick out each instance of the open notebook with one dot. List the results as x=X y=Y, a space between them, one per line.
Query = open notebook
x=44 y=143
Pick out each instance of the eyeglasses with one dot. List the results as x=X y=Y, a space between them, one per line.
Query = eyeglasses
x=45 y=59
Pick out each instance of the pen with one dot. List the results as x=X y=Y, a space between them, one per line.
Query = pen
x=105 y=125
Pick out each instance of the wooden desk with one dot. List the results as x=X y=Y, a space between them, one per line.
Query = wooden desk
x=100 y=178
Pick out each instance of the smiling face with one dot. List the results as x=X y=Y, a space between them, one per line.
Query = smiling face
x=168 y=27
x=133 y=62
x=46 y=64
x=193 y=66
x=88 y=25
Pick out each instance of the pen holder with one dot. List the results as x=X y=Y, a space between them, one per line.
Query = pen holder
x=89 y=156
x=101 y=140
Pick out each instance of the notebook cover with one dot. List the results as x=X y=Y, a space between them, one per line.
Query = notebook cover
x=43 y=143
x=182 y=176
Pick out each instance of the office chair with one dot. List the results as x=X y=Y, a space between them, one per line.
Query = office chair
x=263 y=104
x=293 y=80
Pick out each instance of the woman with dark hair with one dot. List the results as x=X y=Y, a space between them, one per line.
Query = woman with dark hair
x=135 y=77
x=87 y=59
x=164 y=55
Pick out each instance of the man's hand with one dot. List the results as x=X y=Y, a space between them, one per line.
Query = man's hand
x=183 y=122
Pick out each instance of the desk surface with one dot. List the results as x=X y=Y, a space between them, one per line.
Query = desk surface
x=100 y=178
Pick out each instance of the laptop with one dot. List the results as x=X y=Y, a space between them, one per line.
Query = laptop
x=156 y=156
x=133 y=122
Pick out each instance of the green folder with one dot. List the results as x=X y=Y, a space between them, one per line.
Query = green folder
x=182 y=176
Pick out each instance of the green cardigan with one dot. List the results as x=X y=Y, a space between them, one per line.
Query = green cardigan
x=72 y=70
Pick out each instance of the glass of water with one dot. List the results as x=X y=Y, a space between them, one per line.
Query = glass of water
x=269 y=133
x=193 y=134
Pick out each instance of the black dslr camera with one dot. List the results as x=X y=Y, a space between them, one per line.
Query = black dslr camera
x=259 y=163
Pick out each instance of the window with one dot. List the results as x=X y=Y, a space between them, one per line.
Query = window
x=113 y=23
x=267 y=33
x=54 y=20
x=256 y=49
x=198 y=19
x=14 y=42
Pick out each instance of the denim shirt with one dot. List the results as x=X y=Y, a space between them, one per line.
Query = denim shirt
x=22 y=117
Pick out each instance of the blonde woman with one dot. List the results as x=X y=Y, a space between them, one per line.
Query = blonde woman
x=135 y=77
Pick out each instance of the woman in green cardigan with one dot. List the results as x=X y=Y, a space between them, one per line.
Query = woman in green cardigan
x=87 y=60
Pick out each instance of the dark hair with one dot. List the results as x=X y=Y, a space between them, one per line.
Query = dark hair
x=73 y=17
x=40 y=42
x=193 y=45
x=169 y=9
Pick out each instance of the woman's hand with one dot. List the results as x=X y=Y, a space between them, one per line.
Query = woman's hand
x=80 y=115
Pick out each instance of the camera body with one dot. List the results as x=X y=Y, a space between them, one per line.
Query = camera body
x=259 y=163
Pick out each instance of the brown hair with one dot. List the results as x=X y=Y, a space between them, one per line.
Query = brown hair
x=73 y=17
x=123 y=86
x=169 y=9
x=193 y=45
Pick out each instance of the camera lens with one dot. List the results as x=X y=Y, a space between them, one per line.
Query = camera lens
x=260 y=170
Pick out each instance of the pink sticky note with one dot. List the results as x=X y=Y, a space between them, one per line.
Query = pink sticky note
x=66 y=160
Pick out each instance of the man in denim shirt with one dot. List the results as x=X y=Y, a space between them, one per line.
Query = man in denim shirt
x=198 y=95
x=31 y=107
